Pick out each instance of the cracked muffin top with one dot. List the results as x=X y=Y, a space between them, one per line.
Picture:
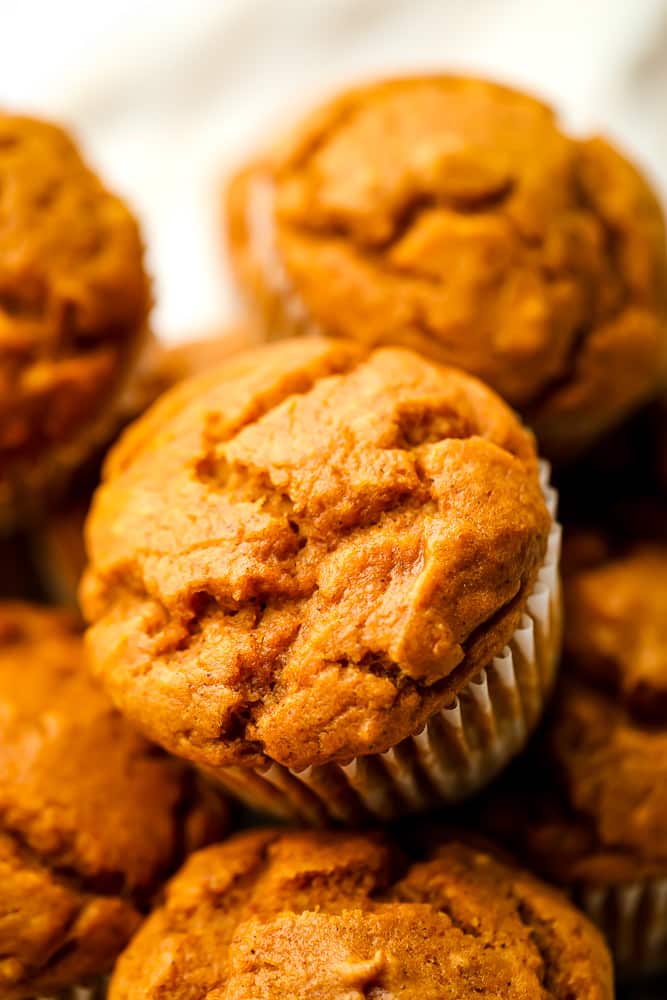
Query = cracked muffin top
x=74 y=299
x=304 y=554
x=277 y=915
x=601 y=816
x=92 y=817
x=453 y=216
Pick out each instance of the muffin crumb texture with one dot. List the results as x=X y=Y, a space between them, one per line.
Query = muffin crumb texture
x=306 y=553
x=270 y=915
x=92 y=817
x=454 y=216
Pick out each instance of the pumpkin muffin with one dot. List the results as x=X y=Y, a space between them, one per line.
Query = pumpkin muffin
x=616 y=633
x=306 y=558
x=277 y=915
x=92 y=817
x=598 y=822
x=74 y=300
x=57 y=544
x=454 y=217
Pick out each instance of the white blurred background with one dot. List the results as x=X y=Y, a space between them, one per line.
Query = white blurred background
x=167 y=97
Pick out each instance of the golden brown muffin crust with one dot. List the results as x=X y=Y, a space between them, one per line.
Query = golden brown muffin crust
x=308 y=552
x=74 y=299
x=453 y=216
x=274 y=915
x=91 y=816
x=616 y=626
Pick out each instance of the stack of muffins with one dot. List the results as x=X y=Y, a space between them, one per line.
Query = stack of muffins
x=321 y=574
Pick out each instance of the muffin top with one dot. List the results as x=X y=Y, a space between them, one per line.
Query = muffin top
x=453 y=216
x=616 y=626
x=277 y=915
x=305 y=553
x=74 y=296
x=92 y=817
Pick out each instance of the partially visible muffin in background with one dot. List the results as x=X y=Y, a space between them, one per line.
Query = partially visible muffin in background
x=453 y=216
x=308 y=556
x=277 y=915
x=74 y=301
x=616 y=626
x=92 y=817
x=56 y=542
x=597 y=788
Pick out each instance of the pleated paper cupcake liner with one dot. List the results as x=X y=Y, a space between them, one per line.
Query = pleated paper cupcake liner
x=289 y=314
x=461 y=748
x=633 y=918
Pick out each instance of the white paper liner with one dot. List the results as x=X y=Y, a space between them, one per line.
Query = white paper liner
x=633 y=919
x=460 y=749
x=262 y=239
